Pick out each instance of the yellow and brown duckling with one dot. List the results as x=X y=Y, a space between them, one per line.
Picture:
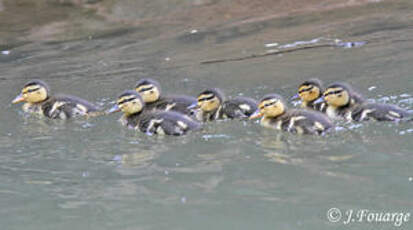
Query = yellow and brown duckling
x=309 y=91
x=275 y=114
x=37 y=98
x=212 y=105
x=150 y=91
x=151 y=122
x=343 y=101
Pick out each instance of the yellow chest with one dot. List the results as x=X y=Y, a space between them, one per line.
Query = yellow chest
x=270 y=123
x=332 y=112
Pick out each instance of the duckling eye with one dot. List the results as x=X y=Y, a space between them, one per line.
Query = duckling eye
x=333 y=92
x=307 y=89
x=32 y=90
x=338 y=92
x=268 y=104
x=126 y=100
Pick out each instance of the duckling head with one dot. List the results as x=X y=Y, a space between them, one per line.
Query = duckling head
x=337 y=95
x=309 y=90
x=270 y=106
x=34 y=91
x=149 y=89
x=210 y=100
x=129 y=102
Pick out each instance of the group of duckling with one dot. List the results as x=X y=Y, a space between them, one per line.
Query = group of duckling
x=147 y=110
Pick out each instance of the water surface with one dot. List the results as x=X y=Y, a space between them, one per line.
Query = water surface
x=94 y=174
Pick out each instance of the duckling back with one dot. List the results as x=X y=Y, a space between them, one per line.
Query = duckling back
x=179 y=104
x=239 y=107
x=380 y=112
x=322 y=106
x=65 y=107
x=306 y=122
x=167 y=122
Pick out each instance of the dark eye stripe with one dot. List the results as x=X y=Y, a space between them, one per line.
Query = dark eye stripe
x=268 y=104
x=126 y=100
x=145 y=89
x=32 y=90
x=206 y=98
x=272 y=103
x=305 y=90
x=333 y=92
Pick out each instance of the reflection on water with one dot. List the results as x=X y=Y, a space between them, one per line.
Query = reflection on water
x=230 y=175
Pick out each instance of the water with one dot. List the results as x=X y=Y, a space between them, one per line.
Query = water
x=94 y=174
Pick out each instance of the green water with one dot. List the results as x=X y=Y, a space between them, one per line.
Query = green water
x=95 y=174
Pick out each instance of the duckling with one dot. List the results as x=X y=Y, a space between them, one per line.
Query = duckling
x=150 y=91
x=212 y=105
x=343 y=101
x=37 y=100
x=151 y=122
x=275 y=114
x=309 y=91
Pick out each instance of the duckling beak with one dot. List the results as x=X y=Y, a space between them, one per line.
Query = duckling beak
x=114 y=109
x=193 y=106
x=256 y=114
x=18 y=99
x=319 y=100
x=295 y=97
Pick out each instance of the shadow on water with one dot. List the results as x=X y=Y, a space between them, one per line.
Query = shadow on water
x=232 y=174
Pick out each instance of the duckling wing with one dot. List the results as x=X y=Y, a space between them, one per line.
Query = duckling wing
x=322 y=107
x=239 y=107
x=379 y=112
x=81 y=103
x=54 y=109
x=150 y=124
